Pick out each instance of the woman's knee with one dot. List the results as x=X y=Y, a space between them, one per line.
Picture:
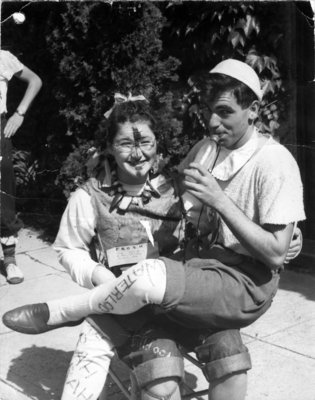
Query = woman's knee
x=147 y=280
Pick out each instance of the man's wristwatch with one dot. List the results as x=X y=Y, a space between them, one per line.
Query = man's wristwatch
x=21 y=114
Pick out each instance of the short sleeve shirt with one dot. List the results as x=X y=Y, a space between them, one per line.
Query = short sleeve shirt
x=9 y=66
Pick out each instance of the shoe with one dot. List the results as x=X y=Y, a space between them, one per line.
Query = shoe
x=14 y=274
x=32 y=319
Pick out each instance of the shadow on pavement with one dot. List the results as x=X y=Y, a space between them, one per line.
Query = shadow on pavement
x=302 y=283
x=191 y=380
x=40 y=372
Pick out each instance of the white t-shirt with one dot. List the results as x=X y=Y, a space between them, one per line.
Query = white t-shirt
x=9 y=66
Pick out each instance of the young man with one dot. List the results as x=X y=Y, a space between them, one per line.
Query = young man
x=255 y=188
x=10 y=66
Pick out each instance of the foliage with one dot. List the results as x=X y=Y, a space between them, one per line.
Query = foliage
x=102 y=49
x=249 y=32
x=74 y=170
x=25 y=169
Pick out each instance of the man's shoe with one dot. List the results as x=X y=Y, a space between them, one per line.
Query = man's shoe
x=32 y=319
x=14 y=274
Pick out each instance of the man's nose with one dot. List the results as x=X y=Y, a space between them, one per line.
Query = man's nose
x=214 y=121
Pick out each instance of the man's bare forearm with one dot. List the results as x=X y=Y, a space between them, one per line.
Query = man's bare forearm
x=270 y=247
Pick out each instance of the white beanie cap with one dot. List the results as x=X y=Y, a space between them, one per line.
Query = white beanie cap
x=240 y=71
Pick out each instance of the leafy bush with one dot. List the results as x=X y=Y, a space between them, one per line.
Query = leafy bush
x=103 y=49
x=25 y=169
x=74 y=169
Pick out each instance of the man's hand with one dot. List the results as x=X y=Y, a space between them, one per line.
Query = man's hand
x=13 y=124
x=200 y=183
x=295 y=246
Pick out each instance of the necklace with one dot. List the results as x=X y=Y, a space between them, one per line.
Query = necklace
x=121 y=198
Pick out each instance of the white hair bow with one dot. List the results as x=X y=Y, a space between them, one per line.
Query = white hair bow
x=120 y=98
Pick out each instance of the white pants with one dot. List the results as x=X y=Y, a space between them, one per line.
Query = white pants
x=89 y=366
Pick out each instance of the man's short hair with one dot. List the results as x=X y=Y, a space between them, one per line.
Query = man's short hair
x=218 y=83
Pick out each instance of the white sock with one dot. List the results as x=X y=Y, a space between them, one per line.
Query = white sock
x=72 y=308
x=142 y=284
x=89 y=366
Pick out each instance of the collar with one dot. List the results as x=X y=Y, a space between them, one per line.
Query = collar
x=231 y=161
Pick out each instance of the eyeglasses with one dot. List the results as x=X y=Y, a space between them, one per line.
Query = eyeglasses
x=144 y=145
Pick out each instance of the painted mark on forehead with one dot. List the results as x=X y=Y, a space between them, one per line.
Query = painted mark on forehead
x=136 y=134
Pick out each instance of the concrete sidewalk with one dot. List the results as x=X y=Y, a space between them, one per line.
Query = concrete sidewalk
x=281 y=343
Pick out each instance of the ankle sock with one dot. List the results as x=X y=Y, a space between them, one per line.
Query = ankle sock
x=8 y=255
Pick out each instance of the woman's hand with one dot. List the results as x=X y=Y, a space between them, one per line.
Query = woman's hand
x=200 y=183
x=13 y=124
x=101 y=275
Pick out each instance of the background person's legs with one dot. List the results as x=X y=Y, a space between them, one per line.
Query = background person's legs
x=10 y=224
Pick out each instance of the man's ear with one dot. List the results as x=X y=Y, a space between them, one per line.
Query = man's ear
x=253 y=110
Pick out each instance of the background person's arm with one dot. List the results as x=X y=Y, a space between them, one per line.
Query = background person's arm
x=34 y=84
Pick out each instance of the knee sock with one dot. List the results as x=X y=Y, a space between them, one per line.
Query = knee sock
x=142 y=284
x=89 y=366
x=8 y=255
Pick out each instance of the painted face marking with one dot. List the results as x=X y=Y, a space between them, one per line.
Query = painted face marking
x=136 y=135
x=134 y=150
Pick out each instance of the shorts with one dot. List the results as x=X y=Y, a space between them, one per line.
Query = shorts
x=205 y=293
